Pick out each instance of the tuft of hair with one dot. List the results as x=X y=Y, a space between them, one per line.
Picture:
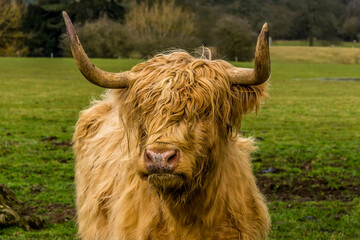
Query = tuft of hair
x=176 y=86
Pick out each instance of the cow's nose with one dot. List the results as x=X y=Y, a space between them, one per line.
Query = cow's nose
x=162 y=160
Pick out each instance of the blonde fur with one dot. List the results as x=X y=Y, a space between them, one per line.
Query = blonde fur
x=186 y=102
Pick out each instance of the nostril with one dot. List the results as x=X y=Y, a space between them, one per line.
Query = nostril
x=172 y=156
x=148 y=156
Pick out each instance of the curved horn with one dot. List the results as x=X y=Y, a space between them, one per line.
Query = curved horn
x=261 y=71
x=87 y=68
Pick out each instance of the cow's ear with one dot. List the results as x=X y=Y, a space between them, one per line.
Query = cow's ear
x=246 y=99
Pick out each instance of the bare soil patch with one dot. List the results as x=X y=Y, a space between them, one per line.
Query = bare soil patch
x=56 y=212
x=53 y=141
x=307 y=190
x=59 y=213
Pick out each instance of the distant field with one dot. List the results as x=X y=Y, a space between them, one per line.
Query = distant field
x=303 y=54
x=308 y=134
x=319 y=43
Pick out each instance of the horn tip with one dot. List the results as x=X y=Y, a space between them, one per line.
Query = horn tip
x=264 y=34
x=265 y=27
x=69 y=25
x=66 y=18
x=65 y=15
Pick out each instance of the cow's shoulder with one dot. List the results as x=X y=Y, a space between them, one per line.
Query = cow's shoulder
x=91 y=120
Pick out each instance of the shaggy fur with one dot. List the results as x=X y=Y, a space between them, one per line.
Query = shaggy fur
x=178 y=100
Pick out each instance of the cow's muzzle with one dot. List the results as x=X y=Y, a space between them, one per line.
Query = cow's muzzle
x=162 y=160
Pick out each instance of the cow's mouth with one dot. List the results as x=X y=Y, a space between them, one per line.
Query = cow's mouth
x=161 y=173
x=167 y=182
x=164 y=176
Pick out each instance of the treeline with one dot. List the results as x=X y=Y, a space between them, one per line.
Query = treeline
x=140 y=28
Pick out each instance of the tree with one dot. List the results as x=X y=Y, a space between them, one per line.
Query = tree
x=100 y=38
x=235 y=39
x=351 y=26
x=43 y=25
x=206 y=13
x=252 y=10
x=316 y=19
x=280 y=18
x=83 y=11
x=11 y=36
x=159 y=26
x=353 y=8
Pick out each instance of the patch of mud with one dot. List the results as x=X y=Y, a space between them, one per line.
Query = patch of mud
x=306 y=190
x=62 y=143
x=49 y=139
x=56 y=212
x=53 y=141
x=59 y=213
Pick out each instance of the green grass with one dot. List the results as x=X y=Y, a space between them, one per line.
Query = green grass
x=318 y=43
x=309 y=130
x=328 y=55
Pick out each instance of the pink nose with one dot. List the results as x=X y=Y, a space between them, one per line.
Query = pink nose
x=161 y=161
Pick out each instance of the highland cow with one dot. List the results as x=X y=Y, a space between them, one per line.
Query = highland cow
x=161 y=157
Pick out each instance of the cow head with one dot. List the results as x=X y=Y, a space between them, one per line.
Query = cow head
x=182 y=109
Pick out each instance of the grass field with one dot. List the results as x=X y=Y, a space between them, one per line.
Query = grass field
x=328 y=55
x=318 y=43
x=308 y=133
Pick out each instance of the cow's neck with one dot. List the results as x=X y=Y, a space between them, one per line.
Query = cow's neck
x=205 y=206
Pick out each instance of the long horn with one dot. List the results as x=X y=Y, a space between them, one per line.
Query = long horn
x=87 y=68
x=261 y=71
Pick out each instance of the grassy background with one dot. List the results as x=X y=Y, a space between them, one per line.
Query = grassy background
x=308 y=133
x=318 y=43
x=328 y=55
